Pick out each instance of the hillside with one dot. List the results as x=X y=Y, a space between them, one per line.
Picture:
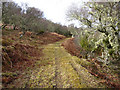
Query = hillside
x=80 y=49
x=40 y=61
x=21 y=53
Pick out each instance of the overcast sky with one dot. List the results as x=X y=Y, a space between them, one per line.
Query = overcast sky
x=54 y=10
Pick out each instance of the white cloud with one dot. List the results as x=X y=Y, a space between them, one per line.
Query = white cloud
x=54 y=10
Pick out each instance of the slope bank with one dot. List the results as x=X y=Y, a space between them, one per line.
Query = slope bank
x=94 y=67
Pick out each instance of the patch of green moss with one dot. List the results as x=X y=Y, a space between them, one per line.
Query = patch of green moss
x=82 y=62
x=9 y=74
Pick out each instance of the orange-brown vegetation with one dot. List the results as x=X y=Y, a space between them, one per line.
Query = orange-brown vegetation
x=28 y=33
x=47 y=38
x=18 y=54
x=20 y=33
x=56 y=34
x=15 y=54
x=70 y=46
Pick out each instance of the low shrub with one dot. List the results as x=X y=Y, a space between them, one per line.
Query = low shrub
x=7 y=42
x=63 y=32
x=40 y=32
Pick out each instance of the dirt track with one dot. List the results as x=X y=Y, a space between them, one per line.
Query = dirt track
x=53 y=67
x=56 y=69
